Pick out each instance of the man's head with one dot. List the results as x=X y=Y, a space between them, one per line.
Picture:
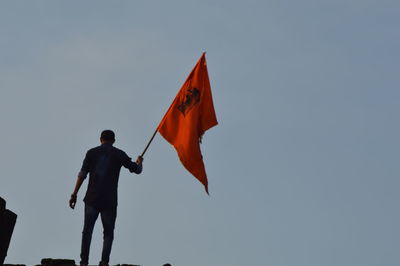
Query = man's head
x=107 y=136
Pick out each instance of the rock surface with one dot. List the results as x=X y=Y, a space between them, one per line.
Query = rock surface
x=65 y=262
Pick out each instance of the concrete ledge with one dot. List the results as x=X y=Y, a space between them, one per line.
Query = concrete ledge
x=62 y=262
x=57 y=262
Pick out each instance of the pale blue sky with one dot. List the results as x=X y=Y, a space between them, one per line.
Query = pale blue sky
x=303 y=166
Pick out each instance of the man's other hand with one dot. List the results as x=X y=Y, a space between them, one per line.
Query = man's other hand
x=139 y=160
x=72 y=201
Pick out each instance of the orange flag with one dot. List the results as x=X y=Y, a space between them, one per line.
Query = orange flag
x=189 y=116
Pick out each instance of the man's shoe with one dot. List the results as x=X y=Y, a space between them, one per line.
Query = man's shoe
x=103 y=263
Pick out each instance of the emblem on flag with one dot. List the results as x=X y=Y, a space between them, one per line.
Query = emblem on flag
x=190 y=99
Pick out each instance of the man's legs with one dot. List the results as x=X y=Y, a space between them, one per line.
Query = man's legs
x=91 y=215
x=108 y=219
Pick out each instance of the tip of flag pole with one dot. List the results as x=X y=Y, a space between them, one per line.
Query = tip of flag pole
x=203 y=56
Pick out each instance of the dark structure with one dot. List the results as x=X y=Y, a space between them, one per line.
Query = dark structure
x=66 y=262
x=62 y=262
x=7 y=223
x=57 y=262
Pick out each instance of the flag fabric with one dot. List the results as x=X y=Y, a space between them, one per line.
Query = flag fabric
x=189 y=116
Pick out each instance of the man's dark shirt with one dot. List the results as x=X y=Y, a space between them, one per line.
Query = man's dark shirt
x=103 y=164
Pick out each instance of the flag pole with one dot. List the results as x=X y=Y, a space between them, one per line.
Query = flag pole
x=155 y=132
x=148 y=144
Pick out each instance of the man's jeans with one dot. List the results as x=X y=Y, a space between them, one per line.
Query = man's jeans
x=108 y=219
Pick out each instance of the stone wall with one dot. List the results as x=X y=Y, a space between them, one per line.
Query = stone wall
x=60 y=262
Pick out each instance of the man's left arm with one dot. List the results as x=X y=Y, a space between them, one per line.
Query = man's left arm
x=74 y=195
x=79 y=180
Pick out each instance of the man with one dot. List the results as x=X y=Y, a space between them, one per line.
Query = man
x=103 y=163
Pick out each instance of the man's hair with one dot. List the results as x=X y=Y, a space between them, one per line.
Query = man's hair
x=107 y=135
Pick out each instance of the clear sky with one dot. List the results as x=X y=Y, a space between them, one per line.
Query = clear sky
x=303 y=167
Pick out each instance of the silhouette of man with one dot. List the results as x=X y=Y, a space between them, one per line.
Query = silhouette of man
x=103 y=164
